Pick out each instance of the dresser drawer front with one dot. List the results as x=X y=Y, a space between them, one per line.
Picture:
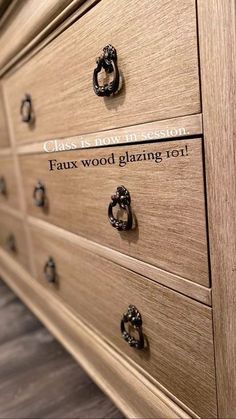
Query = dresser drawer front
x=8 y=183
x=167 y=201
x=13 y=238
x=4 y=139
x=157 y=57
x=179 y=348
x=27 y=21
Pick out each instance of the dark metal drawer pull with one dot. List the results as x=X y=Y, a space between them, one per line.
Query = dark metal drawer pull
x=39 y=195
x=11 y=243
x=108 y=62
x=26 y=109
x=133 y=317
x=3 y=186
x=50 y=270
x=123 y=199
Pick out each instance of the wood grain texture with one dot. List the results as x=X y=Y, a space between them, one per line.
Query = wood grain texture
x=134 y=392
x=6 y=151
x=16 y=171
x=172 y=281
x=179 y=343
x=4 y=141
x=167 y=202
x=4 y=4
x=181 y=127
x=16 y=213
x=11 y=4
x=166 y=90
x=217 y=30
x=38 y=377
x=7 y=171
x=61 y=22
x=25 y=21
x=10 y=225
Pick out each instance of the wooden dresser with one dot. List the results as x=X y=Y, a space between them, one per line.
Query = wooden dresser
x=118 y=192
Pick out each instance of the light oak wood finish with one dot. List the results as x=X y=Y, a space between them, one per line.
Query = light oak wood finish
x=7 y=171
x=4 y=5
x=174 y=282
x=25 y=21
x=178 y=331
x=217 y=31
x=6 y=151
x=166 y=90
x=8 y=7
x=133 y=393
x=167 y=201
x=12 y=211
x=22 y=203
x=182 y=127
x=4 y=141
x=74 y=11
x=10 y=225
x=158 y=58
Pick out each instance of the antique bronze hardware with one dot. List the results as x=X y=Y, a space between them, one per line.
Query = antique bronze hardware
x=26 y=109
x=39 y=195
x=11 y=243
x=132 y=317
x=3 y=187
x=123 y=199
x=108 y=62
x=50 y=270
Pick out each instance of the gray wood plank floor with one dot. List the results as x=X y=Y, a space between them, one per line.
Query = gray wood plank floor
x=38 y=378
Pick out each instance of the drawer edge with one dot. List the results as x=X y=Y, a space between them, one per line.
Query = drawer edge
x=5 y=152
x=181 y=127
x=183 y=286
x=14 y=212
x=35 y=41
x=134 y=397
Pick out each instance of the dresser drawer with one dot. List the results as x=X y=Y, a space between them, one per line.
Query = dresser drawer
x=178 y=349
x=28 y=19
x=167 y=200
x=8 y=184
x=157 y=61
x=13 y=238
x=4 y=140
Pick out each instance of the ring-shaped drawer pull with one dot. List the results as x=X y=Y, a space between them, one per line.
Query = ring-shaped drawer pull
x=11 y=243
x=134 y=318
x=26 y=109
x=3 y=186
x=50 y=270
x=123 y=199
x=39 y=195
x=108 y=62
